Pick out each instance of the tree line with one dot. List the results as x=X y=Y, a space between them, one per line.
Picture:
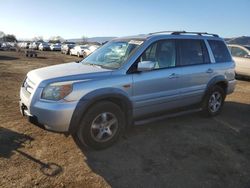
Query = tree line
x=55 y=39
x=7 y=37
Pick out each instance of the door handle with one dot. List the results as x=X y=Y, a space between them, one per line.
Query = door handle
x=173 y=75
x=209 y=70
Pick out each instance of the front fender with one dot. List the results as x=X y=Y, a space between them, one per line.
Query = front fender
x=98 y=95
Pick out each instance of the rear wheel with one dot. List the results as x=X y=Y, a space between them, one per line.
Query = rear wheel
x=213 y=102
x=101 y=126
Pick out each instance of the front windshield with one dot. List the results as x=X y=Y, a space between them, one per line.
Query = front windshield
x=113 y=54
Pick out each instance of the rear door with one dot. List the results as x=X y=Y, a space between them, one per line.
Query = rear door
x=196 y=70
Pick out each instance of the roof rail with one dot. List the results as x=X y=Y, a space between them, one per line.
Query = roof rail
x=197 y=33
x=185 y=32
x=164 y=32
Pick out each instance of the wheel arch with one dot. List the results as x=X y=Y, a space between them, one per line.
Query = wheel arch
x=117 y=96
x=218 y=80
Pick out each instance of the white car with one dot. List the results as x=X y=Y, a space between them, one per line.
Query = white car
x=78 y=50
x=25 y=45
x=89 y=49
x=34 y=45
x=241 y=56
x=44 y=46
x=55 y=47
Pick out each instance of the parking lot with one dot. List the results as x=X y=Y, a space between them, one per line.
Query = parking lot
x=187 y=151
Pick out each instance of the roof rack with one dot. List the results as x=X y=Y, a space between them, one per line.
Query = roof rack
x=185 y=32
x=164 y=32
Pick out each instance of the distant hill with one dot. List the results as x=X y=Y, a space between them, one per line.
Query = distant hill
x=244 y=40
x=93 y=39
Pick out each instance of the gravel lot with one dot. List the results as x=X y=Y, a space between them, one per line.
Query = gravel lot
x=188 y=151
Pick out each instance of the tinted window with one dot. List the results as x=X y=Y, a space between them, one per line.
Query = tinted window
x=220 y=51
x=238 y=52
x=192 y=52
x=162 y=53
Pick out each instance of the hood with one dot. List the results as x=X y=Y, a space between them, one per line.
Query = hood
x=68 y=70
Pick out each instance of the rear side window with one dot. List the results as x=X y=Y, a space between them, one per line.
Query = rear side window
x=192 y=52
x=220 y=51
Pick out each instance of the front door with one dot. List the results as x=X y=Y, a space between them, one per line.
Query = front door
x=157 y=90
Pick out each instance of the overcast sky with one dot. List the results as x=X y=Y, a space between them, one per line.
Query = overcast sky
x=73 y=19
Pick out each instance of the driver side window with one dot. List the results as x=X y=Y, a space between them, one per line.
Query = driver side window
x=163 y=53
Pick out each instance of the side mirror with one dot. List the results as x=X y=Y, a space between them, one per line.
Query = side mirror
x=145 y=66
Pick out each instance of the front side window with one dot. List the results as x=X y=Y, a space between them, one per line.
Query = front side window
x=220 y=51
x=113 y=54
x=192 y=52
x=238 y=52
x=162 y=53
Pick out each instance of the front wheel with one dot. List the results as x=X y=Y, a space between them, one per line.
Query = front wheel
x=213 y=102
x=101 y=126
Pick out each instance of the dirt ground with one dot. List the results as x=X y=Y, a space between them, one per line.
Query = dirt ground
x=188 y=151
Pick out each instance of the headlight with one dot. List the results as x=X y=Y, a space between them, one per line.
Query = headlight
x=57 y=91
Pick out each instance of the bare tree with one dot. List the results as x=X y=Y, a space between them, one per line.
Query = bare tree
x=9 y=38
x=56 y=39
x=38 y=39
x=84 y=39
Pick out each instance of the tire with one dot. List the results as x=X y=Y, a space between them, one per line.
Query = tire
x=101 y=126
x=213 y=101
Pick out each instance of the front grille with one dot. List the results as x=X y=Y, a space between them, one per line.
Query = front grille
x=29 y=85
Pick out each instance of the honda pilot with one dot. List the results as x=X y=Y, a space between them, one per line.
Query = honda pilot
x=130 y=80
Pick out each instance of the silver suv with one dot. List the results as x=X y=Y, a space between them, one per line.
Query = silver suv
x=129 y=80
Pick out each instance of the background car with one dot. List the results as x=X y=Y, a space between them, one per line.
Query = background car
x=55 y=47
x=78 y=50
x=34 y=45
x=89 y=49
x=44 y=46
x=24 y=45
x=66 y=47
x=241 y=56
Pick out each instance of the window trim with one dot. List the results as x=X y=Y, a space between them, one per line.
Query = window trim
x=177 y=56
x=129 y=71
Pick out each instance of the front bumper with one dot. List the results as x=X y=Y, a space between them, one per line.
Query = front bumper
x=53 y=116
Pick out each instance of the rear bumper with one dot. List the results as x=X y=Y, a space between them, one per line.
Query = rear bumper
x=231 y=86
